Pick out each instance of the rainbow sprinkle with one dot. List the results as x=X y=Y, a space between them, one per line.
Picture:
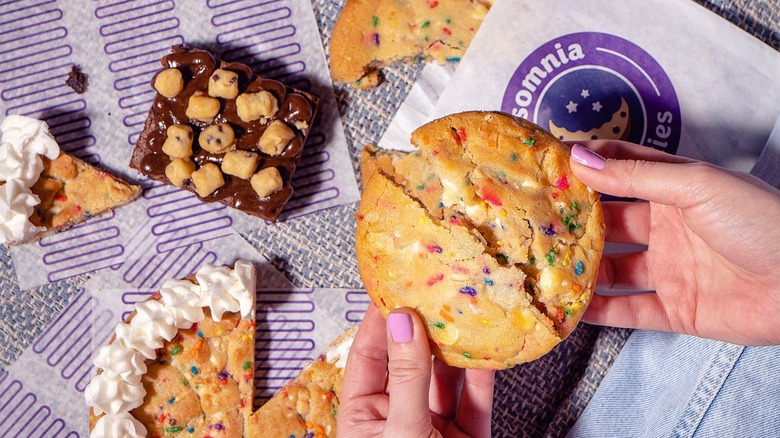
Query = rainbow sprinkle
x=434 y=248
x=579 y=267
x=562 y=183
x=433 y=280
x=468 y=290
x=550 y=256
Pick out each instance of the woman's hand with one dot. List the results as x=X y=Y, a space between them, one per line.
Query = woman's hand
x=713 y=245
x=393 y=389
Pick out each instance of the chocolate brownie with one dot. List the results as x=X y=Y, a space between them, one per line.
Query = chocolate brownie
x=218 y=130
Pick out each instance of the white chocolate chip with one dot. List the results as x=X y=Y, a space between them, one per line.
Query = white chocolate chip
x=207 y=179
x=302 y=125
x=178 y=143
x=266 y=181
x=252 y=106
x=169 y=82
x=179 y=170
x=217 y=138
x=275 y=138
x=240 y=163
x=202 y=108
x=223 y=83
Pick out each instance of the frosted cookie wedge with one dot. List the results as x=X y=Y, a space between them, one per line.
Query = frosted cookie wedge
x=371 y=34
x=183 y=363
x=485 y=232
x=44 y=190
x=308 y=406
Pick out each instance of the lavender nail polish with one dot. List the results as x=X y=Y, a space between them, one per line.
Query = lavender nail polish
x=587 y=157
x=400 y=325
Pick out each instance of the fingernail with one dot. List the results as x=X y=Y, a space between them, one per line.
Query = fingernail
x=587 y=157
x=400 y=325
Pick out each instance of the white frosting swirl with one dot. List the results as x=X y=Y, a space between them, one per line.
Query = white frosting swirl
x=23 y=140
x=17 y=204
x=119 y=425
x=151 y=324
x=113 y=396
x=244 y=272
x=120 y=362
x=182 y=299
x=221 y=291
x=340 y=352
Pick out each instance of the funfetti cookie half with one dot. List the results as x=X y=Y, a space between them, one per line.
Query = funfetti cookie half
x=44 y=190
x=485 y=232
x=370 y=34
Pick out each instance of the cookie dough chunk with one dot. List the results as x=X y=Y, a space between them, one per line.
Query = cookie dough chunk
x=371 y=34
x=234 y=120
x=486 y=232
x=309 y=405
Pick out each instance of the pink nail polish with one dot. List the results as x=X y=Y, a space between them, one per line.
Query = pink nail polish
x=587 y=157
x=400 y=325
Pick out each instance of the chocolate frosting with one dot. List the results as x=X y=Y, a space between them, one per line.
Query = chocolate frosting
x=296 y=108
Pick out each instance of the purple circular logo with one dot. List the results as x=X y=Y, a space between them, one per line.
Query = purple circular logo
x=587 y=86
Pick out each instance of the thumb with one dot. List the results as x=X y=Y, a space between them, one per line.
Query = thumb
x=681 y=183
x=408 y=375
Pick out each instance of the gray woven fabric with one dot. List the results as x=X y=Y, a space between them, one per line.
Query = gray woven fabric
x=543 y=398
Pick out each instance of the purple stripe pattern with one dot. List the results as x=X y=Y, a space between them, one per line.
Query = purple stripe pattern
x=285 y=331
x=36 y=60
x=23 y=415
x=356 y=302
x=65 y=345
x=261 y=35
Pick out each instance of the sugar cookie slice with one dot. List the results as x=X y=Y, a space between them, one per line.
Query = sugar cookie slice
x=498 y=248
x=309 y=405
x=371 y=34
x=44 y=190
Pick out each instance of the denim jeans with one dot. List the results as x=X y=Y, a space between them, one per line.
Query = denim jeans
x=671 y=385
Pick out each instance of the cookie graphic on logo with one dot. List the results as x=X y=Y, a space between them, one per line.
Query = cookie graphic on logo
x=588 y=105
x=589 y=86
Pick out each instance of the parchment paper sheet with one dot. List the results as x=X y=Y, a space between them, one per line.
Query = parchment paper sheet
x=118 y=45
x=727 y=83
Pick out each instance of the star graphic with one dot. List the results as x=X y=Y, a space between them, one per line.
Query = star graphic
x=585 y=94
x=572 y=107
x=597 y=106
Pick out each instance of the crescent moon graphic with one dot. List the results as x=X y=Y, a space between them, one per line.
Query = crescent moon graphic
x=614 y=129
